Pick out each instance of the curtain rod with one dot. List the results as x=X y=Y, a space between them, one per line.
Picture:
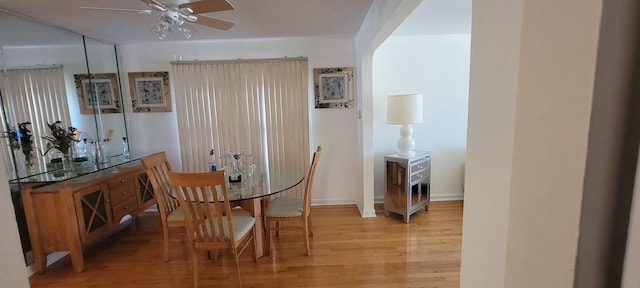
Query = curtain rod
x=236 y=60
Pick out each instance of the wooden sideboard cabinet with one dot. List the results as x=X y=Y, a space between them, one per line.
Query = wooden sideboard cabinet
x=407 y=184
x=69 y=215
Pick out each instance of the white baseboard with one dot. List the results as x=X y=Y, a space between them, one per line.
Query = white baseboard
x=447 y=197
x=367 y=213
x=435 y=198
x=325 y=202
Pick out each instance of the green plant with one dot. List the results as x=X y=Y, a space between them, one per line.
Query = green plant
x=61 y=138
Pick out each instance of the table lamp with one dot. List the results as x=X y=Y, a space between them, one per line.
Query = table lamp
x=405 y=109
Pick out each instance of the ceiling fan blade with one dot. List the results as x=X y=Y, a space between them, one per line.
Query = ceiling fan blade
x=214 y=23
x=139 y=11
x=206 y=6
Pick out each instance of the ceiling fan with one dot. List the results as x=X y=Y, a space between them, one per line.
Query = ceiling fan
x=176 y=14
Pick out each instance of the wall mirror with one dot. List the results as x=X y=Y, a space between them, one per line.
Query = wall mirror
x=49 y=74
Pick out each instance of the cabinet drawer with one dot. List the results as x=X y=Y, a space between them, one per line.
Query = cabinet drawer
x=121 y=194
x=122 y=180
x=127 y=207
x=420 y=165
x=420 y=177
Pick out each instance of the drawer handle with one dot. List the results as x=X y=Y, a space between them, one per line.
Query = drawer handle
x=126 y=207
x=124 y=193
x=106 y=200
x=122 y=181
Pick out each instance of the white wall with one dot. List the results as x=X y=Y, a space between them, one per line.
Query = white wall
x=334 y=129
x=438 y=67
x=630 y=276
x=525 y=181
x=383 y=17
x=553 y=113
x=12 y=267
x=493 y=86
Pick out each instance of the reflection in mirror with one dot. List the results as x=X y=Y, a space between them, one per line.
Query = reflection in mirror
x=100 y=98
x=41 y=70
x=47 y=82
x=34 y=85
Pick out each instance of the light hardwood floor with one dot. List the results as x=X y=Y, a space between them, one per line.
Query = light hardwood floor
x=347 y=251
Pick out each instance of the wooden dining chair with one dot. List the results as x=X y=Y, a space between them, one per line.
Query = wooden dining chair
x=210 y=224
x=171 y=214
x=293 y=209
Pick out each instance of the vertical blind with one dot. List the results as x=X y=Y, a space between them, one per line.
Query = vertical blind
x=35 y=95
x=256 y=107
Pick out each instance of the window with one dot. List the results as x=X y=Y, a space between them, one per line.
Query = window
x=255 y=106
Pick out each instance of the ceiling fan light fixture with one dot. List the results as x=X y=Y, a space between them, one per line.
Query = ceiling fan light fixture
x=186 y=11
x=186 y=30
x=157 y=7
x=159 y=32
x=191 y=18
x=176 y=14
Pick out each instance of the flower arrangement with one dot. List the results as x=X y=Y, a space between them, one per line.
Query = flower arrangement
x=61 y=139
x=12 y=136
x=26 y=141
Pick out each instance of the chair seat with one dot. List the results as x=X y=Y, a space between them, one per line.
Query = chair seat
x=241 y=226
x=284 y=207
x=176 y=215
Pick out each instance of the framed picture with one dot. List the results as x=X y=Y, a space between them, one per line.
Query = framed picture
x=333 y=87
x=98 y=93
x=150 y=91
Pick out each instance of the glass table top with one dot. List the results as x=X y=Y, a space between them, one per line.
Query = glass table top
x=76 y=169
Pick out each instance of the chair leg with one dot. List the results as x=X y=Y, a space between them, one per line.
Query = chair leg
x=305 y=226
x=255 y=245
x=194 y=261
x=268 y=236
x=165 y=235
x=235 y=256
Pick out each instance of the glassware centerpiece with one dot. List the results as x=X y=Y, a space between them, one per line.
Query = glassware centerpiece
x=237 y=167
x=242 y=174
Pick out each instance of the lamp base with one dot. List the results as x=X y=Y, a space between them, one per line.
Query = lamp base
x=410 y=154
x=406 y=142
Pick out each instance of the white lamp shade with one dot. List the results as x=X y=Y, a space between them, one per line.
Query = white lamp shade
x=404 y=109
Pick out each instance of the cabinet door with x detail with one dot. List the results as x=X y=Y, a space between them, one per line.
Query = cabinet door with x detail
x=93 y=210
x=145 y=191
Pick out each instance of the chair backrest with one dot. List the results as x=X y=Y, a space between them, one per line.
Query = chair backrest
x=157 y=167
x=309 y=183
x=204 y=198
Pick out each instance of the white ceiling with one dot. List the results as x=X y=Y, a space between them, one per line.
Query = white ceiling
x=253 y=18
x=438 y=17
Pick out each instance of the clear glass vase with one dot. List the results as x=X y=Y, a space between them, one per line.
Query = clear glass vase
x=31 y=163
x=125 y=149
